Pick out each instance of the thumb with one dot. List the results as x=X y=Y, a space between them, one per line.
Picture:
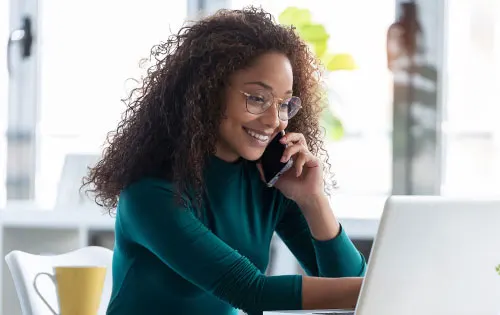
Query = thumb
x=312 y=163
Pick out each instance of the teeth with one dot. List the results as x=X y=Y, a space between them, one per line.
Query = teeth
x=257 y=136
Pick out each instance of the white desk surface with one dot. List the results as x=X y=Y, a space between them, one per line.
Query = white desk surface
x=29 y=215
x=339 y=312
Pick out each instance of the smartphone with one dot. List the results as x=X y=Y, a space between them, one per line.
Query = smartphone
x=271 y=163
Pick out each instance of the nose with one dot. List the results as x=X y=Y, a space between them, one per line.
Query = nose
x=270 y=117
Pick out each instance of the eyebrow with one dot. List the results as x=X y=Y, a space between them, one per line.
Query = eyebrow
x=266 y=86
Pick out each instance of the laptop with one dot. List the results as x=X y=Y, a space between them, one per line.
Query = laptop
x=74 y=169
x=433 y=255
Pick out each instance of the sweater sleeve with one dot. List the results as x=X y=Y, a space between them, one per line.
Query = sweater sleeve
x=337 y=257
x=152 y=218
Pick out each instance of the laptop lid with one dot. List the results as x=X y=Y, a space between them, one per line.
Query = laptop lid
x=434 y=255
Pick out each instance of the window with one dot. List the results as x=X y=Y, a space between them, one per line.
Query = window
x=471 y=128
x=87 y=55
x=4 y=33
x=84 y=69
x=362 y=160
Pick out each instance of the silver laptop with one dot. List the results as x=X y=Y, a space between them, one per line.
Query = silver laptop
x=433 y=255
x=75 y=168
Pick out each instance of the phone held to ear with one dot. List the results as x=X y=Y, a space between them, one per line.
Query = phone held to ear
x=271 y=163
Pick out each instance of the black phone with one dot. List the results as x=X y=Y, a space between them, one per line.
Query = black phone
x=271 y=163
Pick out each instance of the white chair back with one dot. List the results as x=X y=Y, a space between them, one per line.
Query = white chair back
x=24 y=267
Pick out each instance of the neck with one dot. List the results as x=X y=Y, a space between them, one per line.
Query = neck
x=226 y=154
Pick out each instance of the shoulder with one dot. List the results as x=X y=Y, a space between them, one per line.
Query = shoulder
x=150 y=191
x=152 y=206
x=147 y=183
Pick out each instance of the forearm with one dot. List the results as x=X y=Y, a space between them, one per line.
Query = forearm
x=320 y=218
x=336 y=255
x=328 y=293
x=251 y=291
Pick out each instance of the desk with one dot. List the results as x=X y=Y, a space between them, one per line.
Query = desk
x=25 y=226
x=337 y=312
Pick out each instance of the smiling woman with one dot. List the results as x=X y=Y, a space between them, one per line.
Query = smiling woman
x=194 y=218
x=258 y=121
x=201 y=87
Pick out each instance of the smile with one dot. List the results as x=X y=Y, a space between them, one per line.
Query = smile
x=258 y=136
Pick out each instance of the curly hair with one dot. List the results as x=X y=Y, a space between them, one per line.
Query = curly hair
x=170 y=125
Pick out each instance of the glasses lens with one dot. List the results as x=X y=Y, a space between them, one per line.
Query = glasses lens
x=289 y=108
x=258 y=101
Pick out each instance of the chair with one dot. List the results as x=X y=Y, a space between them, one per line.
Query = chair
x=24 y=267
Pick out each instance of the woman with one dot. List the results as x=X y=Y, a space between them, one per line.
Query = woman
x=194 y=218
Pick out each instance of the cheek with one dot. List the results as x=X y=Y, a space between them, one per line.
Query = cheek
x=225 y=127
x=237 y=118
x=283 y=125
x=236 y=113
x=229 y=125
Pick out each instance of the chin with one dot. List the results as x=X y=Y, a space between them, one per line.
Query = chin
x=251 y=155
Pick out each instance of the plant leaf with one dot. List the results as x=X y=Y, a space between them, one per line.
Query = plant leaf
x=295 y=16
x=319 y=48
x=316 y=36
x=337 y=130
x=314 y=32
x=333 y=125
x=340 y=62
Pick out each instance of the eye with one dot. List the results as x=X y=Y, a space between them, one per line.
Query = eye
x=256 y=99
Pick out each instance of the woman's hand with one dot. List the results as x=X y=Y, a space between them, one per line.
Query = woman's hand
x=303 y=183
x=305 y=178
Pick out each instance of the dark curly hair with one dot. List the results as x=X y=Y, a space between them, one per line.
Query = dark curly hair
x=170 y=125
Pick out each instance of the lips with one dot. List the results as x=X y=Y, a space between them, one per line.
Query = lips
x=258 y=135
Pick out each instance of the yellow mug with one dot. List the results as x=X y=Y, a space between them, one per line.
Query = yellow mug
x=79 y=289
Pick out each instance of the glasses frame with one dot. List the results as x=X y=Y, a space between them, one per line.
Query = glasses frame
x=273 y=102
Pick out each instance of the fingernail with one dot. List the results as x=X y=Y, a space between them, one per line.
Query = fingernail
x=283 y=159
x=283 y=140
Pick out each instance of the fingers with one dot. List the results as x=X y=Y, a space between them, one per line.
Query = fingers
x=292 y=138
x=299 y=164
x=305 y=159
x=297 y=148
x=291 y=151
x=302 y=157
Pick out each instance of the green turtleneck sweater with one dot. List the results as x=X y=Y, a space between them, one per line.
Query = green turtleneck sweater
x=170 y=260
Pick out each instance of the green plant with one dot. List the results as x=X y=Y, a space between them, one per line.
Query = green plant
x=497 y=268
x=317 y=37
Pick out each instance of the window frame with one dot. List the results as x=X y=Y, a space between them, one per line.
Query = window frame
x=22 y=108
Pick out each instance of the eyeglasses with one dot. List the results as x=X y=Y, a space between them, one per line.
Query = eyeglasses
x=260 y=101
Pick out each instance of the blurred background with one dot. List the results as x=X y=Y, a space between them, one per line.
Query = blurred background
x=412 y=105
